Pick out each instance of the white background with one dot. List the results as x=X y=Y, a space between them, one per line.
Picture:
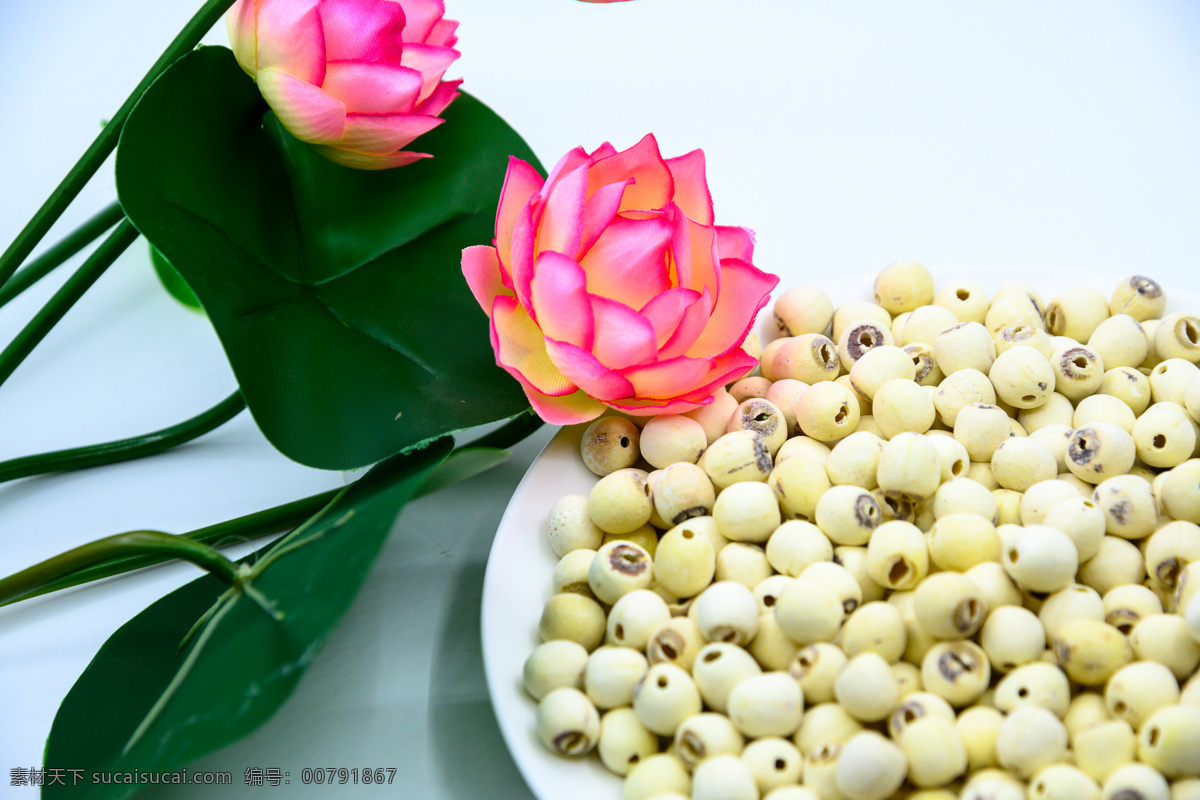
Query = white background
x=849 y=135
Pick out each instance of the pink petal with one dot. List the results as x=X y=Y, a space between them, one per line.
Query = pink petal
x=308 y=112
x=629 y=261
x=729 y=367
x=521 y=268
x=521 y=349
x=744 y=290
x=561 y=225
x=371 y=88
x=362 y=29
x=681 y=247
x=668 y=379
x=735 y=242
x=239 y=24
x=704 y=260
x=586 y=372
x=560 y=300
x=691 y=186
x=370 y=161
x=665 y=312
x=521 y=182
x=623 y=337
x=442 y=96
x=652 y=408
x=603 y=151
x=289 y=38
x=481 y=268
x=444 y=33
x=598 y=213
x=636 y=214
x=429 y=60
x=379 y=134
x=652 y=183
x=422 y=16
x=695 y=318
x=570 y=409
x=570 y=161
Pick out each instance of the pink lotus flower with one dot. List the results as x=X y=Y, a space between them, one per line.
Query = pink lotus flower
x=359 y=79
x=609 y=285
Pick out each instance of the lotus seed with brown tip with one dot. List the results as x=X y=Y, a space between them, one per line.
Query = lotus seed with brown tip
x=859 y=337
x=1140 y=297
x=610 y=444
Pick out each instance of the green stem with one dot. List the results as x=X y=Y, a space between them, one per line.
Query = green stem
x=258 y=524
x=234 y=531
x=124 y=449
x=33 y=580
x=104 y=144
x=74 y=241
x=65 y=297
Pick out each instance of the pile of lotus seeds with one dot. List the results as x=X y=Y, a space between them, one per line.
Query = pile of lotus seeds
x=944 y=545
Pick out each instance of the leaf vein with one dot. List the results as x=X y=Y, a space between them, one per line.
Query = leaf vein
x=393 y=346
x=225 y=237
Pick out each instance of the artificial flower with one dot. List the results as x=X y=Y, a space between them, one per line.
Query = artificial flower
x=359 y=79
x=609 y=285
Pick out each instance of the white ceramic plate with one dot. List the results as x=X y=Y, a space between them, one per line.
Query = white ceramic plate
x=517 y=582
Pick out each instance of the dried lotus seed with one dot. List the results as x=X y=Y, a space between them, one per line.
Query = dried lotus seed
x=747 y=512
x=1030 y=738
x=1090 y=651
x=706 y=735
x=968 y=301
x=727 y=612
x=620 y=501
x=762 y=417
x=774 y=762
x=1076 y=313
x=624 y=741
x=803 y=309
x=860 y=336
x=1178 y=336
x=1120 y=341
x=853 y=461
x=879 y=365
x=1100 y=451
x=714 y=416
x=573 y=617
x=748 y=388
x=610 y=444
x=719 y=667
x=869 y=767
x=620 y=567
x=635 y=617
x=570 y=526
x=672 y=439
x=665 y=697
x=1138 y=296
x=1024 y=335
x=724 y=777
x=1022 y=376
x=1078 y=372
x=567 y=722
x=903 y=286
x=553 y=665
x=810 y=358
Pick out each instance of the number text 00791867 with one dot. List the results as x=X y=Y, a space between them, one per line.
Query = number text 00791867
x=342 y=775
